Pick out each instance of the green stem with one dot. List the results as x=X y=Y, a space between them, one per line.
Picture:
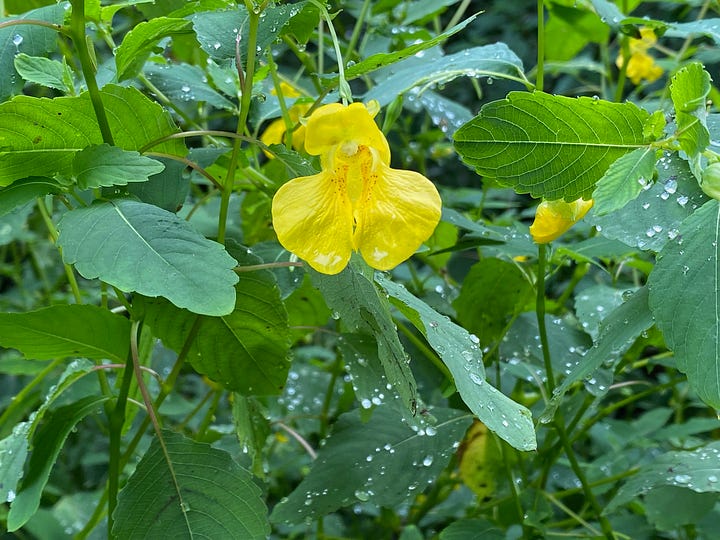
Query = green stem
x=459 y=12
x=577 y=469
x=356 y=30
x=35 y=22
x=77 y=31
x=343 y=86
x=539 y=71
x=116 y=421
x=425 y=350
x=540 y=313
x=622 y=77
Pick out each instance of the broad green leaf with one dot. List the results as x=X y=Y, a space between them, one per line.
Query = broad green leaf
x=684 y=298
x=140 y=41
x=188 y=489
x=595 y=303
x=472 y=529
x=492 y=292
x=45 y=72
x=698 y=470
x=577 y=25
x=184 y=83
x=418 y=10
x=13 y=451
x=493 y=61
x=617 y=332
x=624 y=180
x=653 y=218
x=353 y=298
x=141 y=248
x=245 y=350
x=30 y=39
x=47 y=444
x=689 y=89
x=168 y=189
x=609 y=13
x=105 y=165
x=67 y=330
x=379 y=60
x=383 y=462
x=707 y=27
x=24 y=191
x=252 y=428
x=218 y=30
x=460 y=352
x=40 y=136
x=550 y=146
x=670 y=507
x=445 y=113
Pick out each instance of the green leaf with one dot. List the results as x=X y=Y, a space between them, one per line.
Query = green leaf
x=44 y=71
x=217 y=30
x=382 y=461
x=472 y=529
x=684 y=298
x=13 y=451
x=24 y=191
x=187 y=489
x=493 y=61
x=698 y=470
x=461 y=353
x=142 y=248
x=30 y=39
x=47 y=444
x=352 y=297
x=624 y=180
x=669 y=507
x=67 y=330
x=650 y=220
x=184 y=83
x=550 y=146
x=252 y=428
x=617 y=332
x=245 y=350
x=689 y=90
x=378 y=60
x=40 y=136
x=705 y=28
x=140 y=41
x=168 y=189
x=492 y=292
x=106 y=165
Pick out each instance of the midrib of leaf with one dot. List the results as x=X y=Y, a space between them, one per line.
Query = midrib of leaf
x=165 y=452
x=579 y=144
x=437 y=426
x=67 y=340
x=257 y=363
x=717 y=298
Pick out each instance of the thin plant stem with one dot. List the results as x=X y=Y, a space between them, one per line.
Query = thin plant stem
x=209 y=414
x=459 y=12
x=350 y=49
x=540 y=313
x=35 y=22
x=116 y=420
x=295 y=435
x=77 y=31
x=343 y=86
x=540 y=69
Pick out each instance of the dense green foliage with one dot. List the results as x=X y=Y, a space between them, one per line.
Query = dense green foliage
x=169 y=370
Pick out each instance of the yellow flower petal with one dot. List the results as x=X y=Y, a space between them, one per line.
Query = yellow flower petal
x=273 y=134
x=553 y=218
x=397 y=211
x=312 y=217
x=334 y=124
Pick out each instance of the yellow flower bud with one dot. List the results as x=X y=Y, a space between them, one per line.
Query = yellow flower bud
x=553 y=218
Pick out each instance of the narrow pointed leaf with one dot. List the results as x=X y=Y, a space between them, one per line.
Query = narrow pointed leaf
x=105 y=165
x=47 y=444
x=624 y=180
x=382 y=461
x=139 y=42
x=192 y=491
x=142 y=248
x=44 y=71
x=685 y=300
x=67 y=330
x=550 y=146
x=13 y=451
x=24 y=191
x=460 y=352
x=352 y=297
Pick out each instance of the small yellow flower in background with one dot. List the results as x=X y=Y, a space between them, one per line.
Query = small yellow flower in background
x=357 y=202
x=275 y=132
x=553 y=218
x=641 y=65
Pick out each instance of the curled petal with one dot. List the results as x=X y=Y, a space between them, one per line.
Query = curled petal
x=334 y=124
x=312 y=217
x=397 y=211
x=553 y=218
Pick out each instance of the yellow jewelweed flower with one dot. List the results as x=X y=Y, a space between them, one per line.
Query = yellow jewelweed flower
x=641 y=65
x=356 y=202
x=553 y=218
x=275 y=132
